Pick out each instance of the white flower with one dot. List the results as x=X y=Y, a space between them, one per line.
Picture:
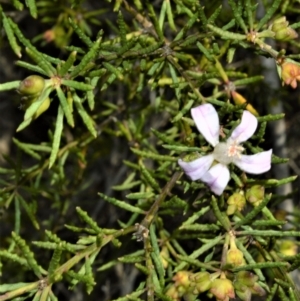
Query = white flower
x=217 y=177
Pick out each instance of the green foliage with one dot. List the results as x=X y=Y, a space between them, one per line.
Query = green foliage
x=113 y=85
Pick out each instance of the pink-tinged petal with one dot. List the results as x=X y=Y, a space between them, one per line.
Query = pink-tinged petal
x=246 y=128
x=207 y=121
x=255 y=164
x=217 y=178
x=195 y=169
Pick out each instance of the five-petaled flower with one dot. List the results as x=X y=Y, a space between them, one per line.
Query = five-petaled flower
x=217 y=176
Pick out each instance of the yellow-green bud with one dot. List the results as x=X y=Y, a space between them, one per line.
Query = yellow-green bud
x=246 y=278
x=257 y=290
x=222 y=289
x=28 y=101
x=236 y=202
x=279 y=24
x=173 y=293
x=255 y=194
x=44 y=107
x=182 y=278
x=32 y=85
x=286 y=34
x=190 y=296
x=288 y=247
x=231 y=209
x=164 y=255
x=279 y=20
x=234 y=256
x=282 y=30
x=201 y=281
x=243 y=292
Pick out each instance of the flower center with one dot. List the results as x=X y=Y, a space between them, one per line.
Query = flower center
x=227 y=152
x=234 y=149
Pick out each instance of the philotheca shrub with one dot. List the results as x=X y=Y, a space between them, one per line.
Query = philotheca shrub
x=141 y=166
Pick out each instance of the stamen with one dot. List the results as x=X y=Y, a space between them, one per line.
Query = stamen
x=234 y=149
x=227 y=152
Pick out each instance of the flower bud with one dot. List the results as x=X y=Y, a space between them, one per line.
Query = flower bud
x=288 y=247
x=236 y=202
x=231 y=209
x=28 y=101
x=32 y=85
x=257 y=290
x=189 y=296
x=246 y=284
x=43 y=107
x=182 y=278
x=286 y=34
x=222 y=289
x=279 y=26
x=164 y=255
x=58 y=35
x=290 y=73
x=246 y=278
x=282 y=30
x=279 y=20
x=201 y=281
x=243 y=292
x=240 y=100
x=280 y=214
x=255 y=194
x=173 y=293
x=234 y=256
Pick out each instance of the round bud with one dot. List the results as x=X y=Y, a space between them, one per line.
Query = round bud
x=236 y=202
x=255 y=194
x=201 y=281
x=43 y=107
x=235 y=257
x=222 y=289
x=182 y=279
x=286 y=34
x=32 y=85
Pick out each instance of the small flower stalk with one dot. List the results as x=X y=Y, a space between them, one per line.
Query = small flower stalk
x=213 y=169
